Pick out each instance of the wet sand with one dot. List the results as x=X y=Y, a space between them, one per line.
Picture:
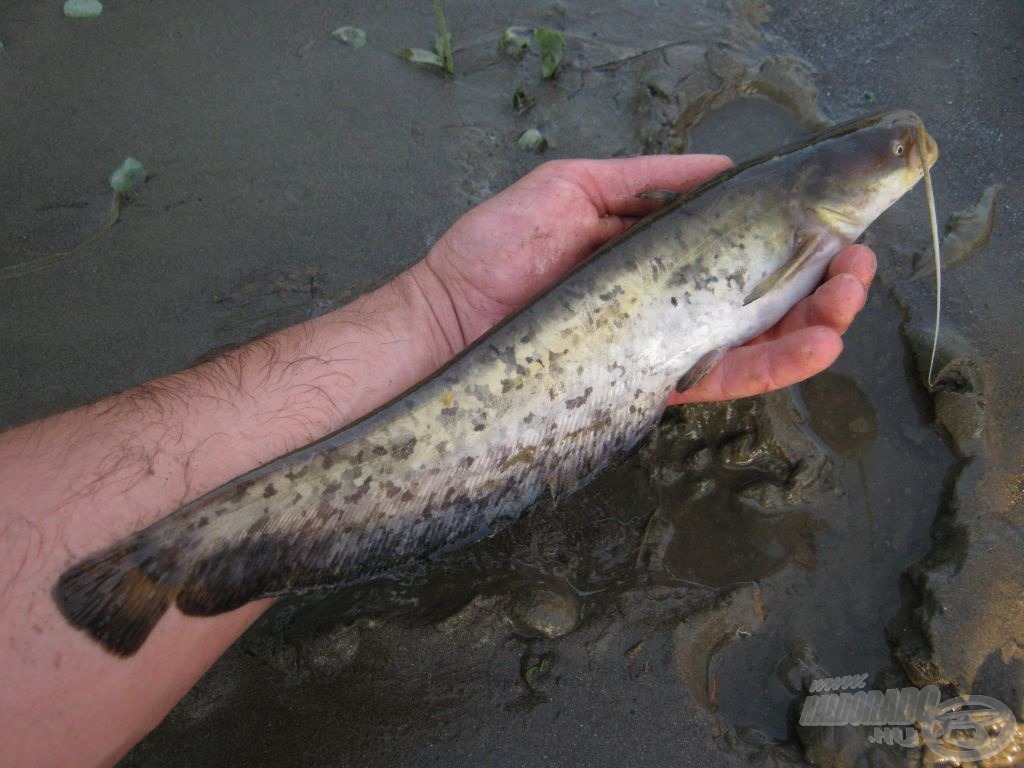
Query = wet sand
x=672 y=611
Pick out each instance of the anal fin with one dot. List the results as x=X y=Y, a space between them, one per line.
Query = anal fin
x=805 y=245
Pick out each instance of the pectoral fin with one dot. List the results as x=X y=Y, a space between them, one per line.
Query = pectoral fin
x=805 y=246
x=699 y=370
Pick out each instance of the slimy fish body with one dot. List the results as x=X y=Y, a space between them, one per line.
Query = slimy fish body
x=539 y=406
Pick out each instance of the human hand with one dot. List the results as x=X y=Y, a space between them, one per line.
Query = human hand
x=504 y=252
x=806 y=341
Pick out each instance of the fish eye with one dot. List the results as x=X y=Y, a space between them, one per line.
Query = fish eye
x=898 y=149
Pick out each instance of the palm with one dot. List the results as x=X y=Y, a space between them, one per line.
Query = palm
x=500 y=255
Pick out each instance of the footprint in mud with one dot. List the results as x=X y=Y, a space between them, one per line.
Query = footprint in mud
x=720 y=540
x=732 y=502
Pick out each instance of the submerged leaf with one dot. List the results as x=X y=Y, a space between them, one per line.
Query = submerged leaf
x=83 y=9
x=532 y=139
x=514 y=42
x=421 y=56
x=127 y=176
x=353 y=36
x=552 y=49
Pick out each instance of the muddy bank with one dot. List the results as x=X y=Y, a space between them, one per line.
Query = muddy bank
x=675 y=610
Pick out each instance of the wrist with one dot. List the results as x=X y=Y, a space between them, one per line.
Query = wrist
x=361 y=355
x=434 y=310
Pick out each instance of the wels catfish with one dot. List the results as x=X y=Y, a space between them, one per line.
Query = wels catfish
x=540 y=405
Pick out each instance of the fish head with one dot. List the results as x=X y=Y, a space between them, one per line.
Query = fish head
x=861 y=171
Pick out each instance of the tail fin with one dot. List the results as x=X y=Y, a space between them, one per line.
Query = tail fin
x=112 y=597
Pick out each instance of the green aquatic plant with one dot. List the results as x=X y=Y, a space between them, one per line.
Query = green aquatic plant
x=522 y=103
x=353 y=36
x=532 y=139
x=127 y=176
x=552 y=49
x=441 y=56
x=534 y=667
x=421 y=56
x=83 y=9
x=443 y=45
x=514 y=42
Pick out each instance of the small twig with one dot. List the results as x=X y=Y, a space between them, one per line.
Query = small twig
x=615 y=63
x=43 y=262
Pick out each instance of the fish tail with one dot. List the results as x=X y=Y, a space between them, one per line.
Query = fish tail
x=114 y=597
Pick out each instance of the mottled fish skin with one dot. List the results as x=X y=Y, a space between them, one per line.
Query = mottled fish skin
x=540 y=405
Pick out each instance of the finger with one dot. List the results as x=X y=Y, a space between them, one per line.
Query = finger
x=857 y=260
x=613 y=185
x=748 y=371
x=834 y=304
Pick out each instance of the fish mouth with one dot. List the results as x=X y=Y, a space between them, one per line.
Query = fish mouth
x=927 y=148
x=909 y=122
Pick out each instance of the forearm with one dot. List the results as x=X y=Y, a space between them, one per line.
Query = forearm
x=79 y=481
x=76 y=483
